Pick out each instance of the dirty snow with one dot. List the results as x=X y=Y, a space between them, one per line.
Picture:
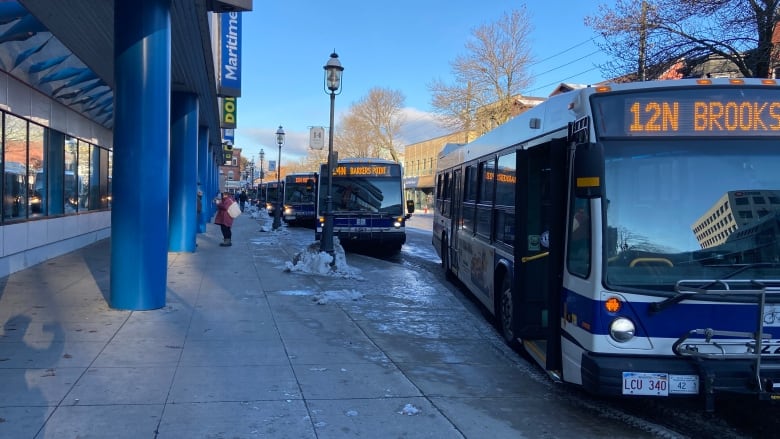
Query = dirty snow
x=409 y=410
x=312 y=260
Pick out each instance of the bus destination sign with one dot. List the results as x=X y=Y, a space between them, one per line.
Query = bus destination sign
x=366 y=170
x=697 y=112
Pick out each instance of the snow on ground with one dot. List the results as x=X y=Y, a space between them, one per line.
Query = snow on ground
x=311 y=259
x=325 y=297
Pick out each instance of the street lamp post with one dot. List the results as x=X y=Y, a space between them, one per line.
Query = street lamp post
x=260 y=192
x=252 y=175
x=333 y=71
x=278 y=209
x=262 y=157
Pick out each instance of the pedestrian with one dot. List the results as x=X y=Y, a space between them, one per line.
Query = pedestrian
x=242 y=200
x=224 y=220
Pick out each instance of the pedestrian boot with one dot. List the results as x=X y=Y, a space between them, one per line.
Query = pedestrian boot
x=225 y=243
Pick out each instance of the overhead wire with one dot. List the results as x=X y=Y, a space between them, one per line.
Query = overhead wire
x=568 y=63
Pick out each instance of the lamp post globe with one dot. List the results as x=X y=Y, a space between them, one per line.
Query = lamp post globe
x=333 y=73
x=278 y=209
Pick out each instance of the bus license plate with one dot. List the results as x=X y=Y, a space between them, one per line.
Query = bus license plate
x=643 y=383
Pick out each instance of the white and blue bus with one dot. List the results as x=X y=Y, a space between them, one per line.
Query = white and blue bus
x=274 y=195
x=367 y=198
x=627 y=236
x=300 y=199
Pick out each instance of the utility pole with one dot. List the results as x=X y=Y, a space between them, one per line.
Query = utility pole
x=641 y=69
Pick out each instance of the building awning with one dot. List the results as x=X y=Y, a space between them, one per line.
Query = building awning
x=421 y=182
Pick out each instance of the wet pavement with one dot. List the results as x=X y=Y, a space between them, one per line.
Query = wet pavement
x=246 y=348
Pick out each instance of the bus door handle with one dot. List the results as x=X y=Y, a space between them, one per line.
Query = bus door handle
x=525 y=259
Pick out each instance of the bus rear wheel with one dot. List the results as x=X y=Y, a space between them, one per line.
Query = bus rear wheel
x=506 y=313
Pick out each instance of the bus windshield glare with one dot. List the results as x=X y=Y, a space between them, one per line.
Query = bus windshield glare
x=299 y=190
x=366 y=189
x=691 y=209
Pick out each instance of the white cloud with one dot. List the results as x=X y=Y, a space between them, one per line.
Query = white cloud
x=420 y=126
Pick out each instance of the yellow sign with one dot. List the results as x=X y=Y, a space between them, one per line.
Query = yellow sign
x=229 y=112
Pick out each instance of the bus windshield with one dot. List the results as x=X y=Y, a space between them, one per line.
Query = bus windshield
x=367 y=195
x=299 y=191
x=693 y=209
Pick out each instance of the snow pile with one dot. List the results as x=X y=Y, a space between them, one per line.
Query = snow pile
x=409 y=410
x=312 y=260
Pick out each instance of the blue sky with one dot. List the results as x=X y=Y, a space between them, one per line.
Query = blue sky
x=402 y=45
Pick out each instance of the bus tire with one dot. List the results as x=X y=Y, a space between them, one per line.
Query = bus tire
x=506 y=312
x=445 y=258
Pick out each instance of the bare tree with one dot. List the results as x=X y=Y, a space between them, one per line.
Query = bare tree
x=371 y=127
x=353 y=137
x=489 y=76
x=646 y=38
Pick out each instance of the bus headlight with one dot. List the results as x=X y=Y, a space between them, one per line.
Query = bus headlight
x=398 y=223
x=622 y=329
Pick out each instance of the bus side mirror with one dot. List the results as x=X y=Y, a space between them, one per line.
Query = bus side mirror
x=410 y=206
x=588 y=170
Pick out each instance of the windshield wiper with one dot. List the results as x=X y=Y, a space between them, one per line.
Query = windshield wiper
x=682 y=295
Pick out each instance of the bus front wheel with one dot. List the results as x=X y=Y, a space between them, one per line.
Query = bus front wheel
x=445 y=257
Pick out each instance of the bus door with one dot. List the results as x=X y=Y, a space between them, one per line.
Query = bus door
x=541 y=201
x=457 y=221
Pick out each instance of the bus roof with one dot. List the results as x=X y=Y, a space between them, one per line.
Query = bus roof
x=556 y=112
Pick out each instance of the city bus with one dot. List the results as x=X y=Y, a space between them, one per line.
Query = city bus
x=626 y=236
x=367 y=198
x=300 y=199
x=274 y=191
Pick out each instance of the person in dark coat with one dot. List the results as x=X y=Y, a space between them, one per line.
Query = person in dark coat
x=224 y=220
x=242 y=200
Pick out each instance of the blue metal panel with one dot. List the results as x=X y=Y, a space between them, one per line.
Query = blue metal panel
x=184 y=173
x=139 y=217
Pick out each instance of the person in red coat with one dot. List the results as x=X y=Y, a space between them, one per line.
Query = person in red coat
x=224 y=220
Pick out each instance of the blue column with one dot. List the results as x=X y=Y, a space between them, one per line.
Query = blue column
x=204 y=162
x=183 y=225
x=142 y=103
x=214 y=176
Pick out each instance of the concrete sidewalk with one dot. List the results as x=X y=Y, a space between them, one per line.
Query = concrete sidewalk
x=245 y=349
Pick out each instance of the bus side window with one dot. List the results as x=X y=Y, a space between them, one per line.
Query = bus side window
x=578 y=254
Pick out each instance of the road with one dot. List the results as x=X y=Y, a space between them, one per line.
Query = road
x=734 y=417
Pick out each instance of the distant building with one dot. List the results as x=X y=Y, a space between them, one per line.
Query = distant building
x=420 y=167
x=420 y=158
x=230 y=173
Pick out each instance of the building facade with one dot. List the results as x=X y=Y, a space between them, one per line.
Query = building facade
x=106 y=114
